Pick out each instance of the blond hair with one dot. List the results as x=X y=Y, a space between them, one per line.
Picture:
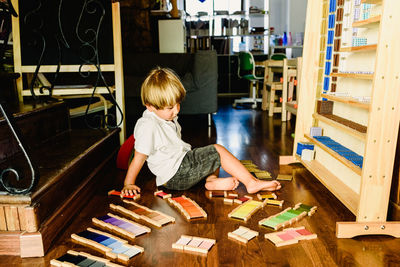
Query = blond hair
x=162 y=88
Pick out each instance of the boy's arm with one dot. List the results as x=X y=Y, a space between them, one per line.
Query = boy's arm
x=134 y=168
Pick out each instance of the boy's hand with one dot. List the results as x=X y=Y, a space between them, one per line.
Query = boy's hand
x=130 y=190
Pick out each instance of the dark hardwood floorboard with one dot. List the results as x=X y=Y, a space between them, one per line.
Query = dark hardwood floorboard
x=248 y=134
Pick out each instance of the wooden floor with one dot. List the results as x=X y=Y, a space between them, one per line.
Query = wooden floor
x=251 y=135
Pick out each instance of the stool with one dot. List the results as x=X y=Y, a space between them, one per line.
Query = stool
x=268 y=98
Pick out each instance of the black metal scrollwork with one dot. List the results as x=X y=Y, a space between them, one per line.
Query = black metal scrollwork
x=6 y=173
x=88 y=53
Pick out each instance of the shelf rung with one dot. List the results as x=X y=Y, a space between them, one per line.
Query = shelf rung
x=353 y=75
x=367 y=22
x=347 y=100
x=333 y=121
x=359 y=48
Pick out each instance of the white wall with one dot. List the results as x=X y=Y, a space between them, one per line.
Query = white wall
x=287 y=15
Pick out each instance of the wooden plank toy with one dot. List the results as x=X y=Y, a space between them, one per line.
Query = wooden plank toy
x=275 y=202
x=290 y=236
x=266 y=196
x=193 y=243
x=262 y=175
x=162 y=194
x=120 y=225
x=243 y=199
x=216 y=194
x=153 y=217
x=74 y=258
x=229 y=199
x=243 y=234
x=303 y=207
x=117 y=193
x=284 y=177
x=112 y=246
x=188 y=207
x=288 y=216
x=246 y=210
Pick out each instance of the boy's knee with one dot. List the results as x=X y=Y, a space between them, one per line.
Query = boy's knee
x=218 y=147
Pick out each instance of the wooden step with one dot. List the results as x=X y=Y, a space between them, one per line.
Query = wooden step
x=36 y=122
x=68 y=167
x=68 y=162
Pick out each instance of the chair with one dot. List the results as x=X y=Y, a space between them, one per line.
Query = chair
x=247 y=70
x=291 y=75
x=272 y=67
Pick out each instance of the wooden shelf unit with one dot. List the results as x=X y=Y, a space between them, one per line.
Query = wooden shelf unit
x=368 y=199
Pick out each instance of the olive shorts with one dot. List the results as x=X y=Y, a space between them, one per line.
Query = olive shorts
x=197 y=164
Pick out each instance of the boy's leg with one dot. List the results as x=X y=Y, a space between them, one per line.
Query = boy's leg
x=235 y=168
x=215 y=183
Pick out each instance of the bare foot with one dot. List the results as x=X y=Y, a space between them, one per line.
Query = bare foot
x=257 y=185
x=229 y=183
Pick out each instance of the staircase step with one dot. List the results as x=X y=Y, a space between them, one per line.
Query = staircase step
x=37 y=124
x=69 y=163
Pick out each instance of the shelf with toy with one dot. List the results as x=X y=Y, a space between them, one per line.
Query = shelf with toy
x=367 y=22
x=375 y=2
x=365 y=76
x=350 y=127
x=335 y=154
x=347 y=100
x=360 y=48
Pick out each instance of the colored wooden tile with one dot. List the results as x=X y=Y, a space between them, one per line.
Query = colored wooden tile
x=143 y=213
x=188 y=207
x=117 y=193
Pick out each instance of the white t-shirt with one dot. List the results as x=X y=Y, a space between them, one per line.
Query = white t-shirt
x=161 y=141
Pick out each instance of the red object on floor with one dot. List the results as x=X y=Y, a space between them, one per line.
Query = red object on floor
x=125 y=152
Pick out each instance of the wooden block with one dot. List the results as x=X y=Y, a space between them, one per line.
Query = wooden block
x=28 y=219
x=307 y=154
x=187 y=209
x=31 y=245
x=228 y=201
x=194 y=244
x=246 y=210
x=285 y=177
x=72 y=253
x=10 y=243
x=117 y=193
x=243 y=234
x=243 y=199
x=158 y=221
x=286 y=160
x=161 y=194
x=12 y=218
x=290 y=236
x=216 y=194
x=275 y=202
x=266 y=196
x=3 y=224
x=262 y=175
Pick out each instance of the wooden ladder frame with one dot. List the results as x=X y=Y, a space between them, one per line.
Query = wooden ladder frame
x=370 y=202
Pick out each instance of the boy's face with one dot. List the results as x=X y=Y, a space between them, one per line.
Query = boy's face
x=166 y=113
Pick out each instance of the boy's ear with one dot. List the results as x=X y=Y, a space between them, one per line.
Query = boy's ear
x=150 y=108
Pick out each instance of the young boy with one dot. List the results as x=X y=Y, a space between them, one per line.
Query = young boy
x=176 y=166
